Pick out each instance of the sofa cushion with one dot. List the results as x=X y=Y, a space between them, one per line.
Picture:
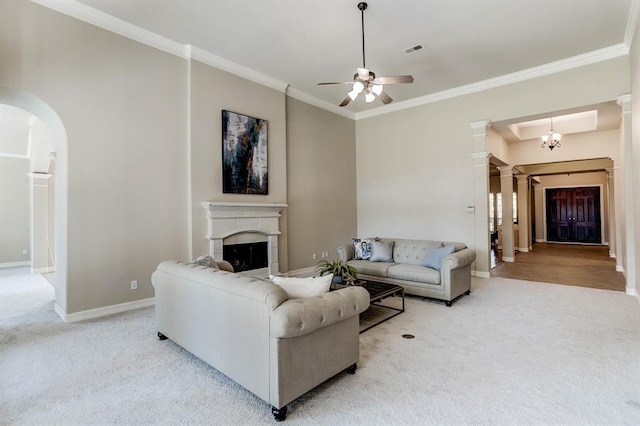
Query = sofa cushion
x=382 y=251
x=435 y=257
x=371 y=268
x=299 y=288
x=416 y=273
x=362 y=248
x=413 y=252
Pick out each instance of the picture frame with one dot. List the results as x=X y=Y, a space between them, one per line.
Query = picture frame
x=244 y=154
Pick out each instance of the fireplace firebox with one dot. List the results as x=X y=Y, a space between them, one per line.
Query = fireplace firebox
x=246 y=256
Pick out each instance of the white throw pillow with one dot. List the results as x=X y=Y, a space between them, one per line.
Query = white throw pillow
x=299 y=288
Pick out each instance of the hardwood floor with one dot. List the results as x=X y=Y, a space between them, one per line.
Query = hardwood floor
x=578 y=265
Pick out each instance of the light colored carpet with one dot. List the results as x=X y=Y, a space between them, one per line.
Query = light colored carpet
x=514 y=352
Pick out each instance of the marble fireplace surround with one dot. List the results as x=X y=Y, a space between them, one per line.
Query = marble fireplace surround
x=230 y=221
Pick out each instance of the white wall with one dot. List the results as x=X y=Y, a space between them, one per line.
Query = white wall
x=14 y=213
x=635 y=131
x=414 y=168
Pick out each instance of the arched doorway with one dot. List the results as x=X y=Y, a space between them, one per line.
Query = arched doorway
x=44 y=112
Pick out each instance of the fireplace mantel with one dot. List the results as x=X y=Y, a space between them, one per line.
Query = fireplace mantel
x=230 y=218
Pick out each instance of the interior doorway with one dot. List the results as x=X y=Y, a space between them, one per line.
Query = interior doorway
x=574 y=215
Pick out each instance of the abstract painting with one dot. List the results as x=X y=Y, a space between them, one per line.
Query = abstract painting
x=244 y=154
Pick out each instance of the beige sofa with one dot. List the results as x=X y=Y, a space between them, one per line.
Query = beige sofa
x=405 y=268
x=277 y=348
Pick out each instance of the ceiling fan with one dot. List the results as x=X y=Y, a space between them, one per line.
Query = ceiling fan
x=366 y=81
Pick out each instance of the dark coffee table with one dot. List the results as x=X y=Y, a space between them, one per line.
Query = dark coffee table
x=378 y=311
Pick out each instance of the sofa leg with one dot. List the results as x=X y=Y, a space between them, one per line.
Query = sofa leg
x=161 y=336
x=448 y=303
x=279 y=414
x=468 y=292
x=352 y=369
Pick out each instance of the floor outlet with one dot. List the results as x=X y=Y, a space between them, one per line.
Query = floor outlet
x=134 y=285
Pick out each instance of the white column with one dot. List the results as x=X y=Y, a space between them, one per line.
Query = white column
x=480 y=156
x=538 y=193
x=523 y=212
x=39 y=194
x=506 y=185
x=631 y=203
x=612 y=212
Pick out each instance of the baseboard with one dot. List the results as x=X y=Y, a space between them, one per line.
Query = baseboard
x=523 y=249
x=632 y=292
x=304 y=272
x=14 y=264
x=619 y=268
x=540 y=240
x=508 y=259
x=104 y=311
x=480 y=274
x=612 y=255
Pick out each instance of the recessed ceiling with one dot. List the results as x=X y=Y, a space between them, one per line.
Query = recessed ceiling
x=302 y=43
x=600 y=117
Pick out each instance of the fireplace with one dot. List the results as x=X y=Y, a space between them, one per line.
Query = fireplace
x=248 y=230
x=246 y=256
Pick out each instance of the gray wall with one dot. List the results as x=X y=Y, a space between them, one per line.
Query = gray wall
x=14 y=210
x=123 y=106
x=213 y=90
x=321 y=182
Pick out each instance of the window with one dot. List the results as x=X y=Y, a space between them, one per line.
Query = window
x=492 y=212
x=497 y=209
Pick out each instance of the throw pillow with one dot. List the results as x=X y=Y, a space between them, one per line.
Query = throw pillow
x=434 y=258
x=382 y=251
x=207 y=261
x=299 y=288
x=362 y=248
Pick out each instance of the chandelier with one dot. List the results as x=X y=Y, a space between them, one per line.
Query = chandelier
x=552 y=140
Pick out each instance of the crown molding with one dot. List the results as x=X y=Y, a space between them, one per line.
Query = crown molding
x=588 y=58
x=215 y=61
x=95 y=17
x=100 y=19
x=304 y=97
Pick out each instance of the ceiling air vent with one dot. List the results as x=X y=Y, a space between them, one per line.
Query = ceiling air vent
x=412 y=49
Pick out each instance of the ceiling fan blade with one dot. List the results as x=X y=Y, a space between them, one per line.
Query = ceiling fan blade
x=336 y=82
x=345 y=101
x=395 y=80
x=363 y=73
x=386 y=99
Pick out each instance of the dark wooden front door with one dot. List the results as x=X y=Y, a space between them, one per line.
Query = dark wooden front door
x=573 y=215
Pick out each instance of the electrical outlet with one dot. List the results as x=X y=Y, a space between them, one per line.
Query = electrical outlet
x=25 y=251
x=134 y=285
x=314 y=256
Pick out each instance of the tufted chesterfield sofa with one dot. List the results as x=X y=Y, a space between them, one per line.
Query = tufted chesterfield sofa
x=449 y=282
x=248 y=329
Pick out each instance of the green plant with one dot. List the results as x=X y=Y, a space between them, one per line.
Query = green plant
x=338 y=268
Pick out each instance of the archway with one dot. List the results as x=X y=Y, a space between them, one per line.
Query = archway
x=44 y=112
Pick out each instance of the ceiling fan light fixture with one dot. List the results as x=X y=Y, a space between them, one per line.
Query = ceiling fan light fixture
x=358 y=87
x=377 y=89
x=369 y=97
x=353 y=95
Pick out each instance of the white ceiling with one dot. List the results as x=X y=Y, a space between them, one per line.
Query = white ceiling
x=304 y=42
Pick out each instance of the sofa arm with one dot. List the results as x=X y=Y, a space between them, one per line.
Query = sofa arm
x=297 y=317
x=458 y=259
x=346 y=252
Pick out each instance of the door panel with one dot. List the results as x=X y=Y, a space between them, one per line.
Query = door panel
x=573 y=215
